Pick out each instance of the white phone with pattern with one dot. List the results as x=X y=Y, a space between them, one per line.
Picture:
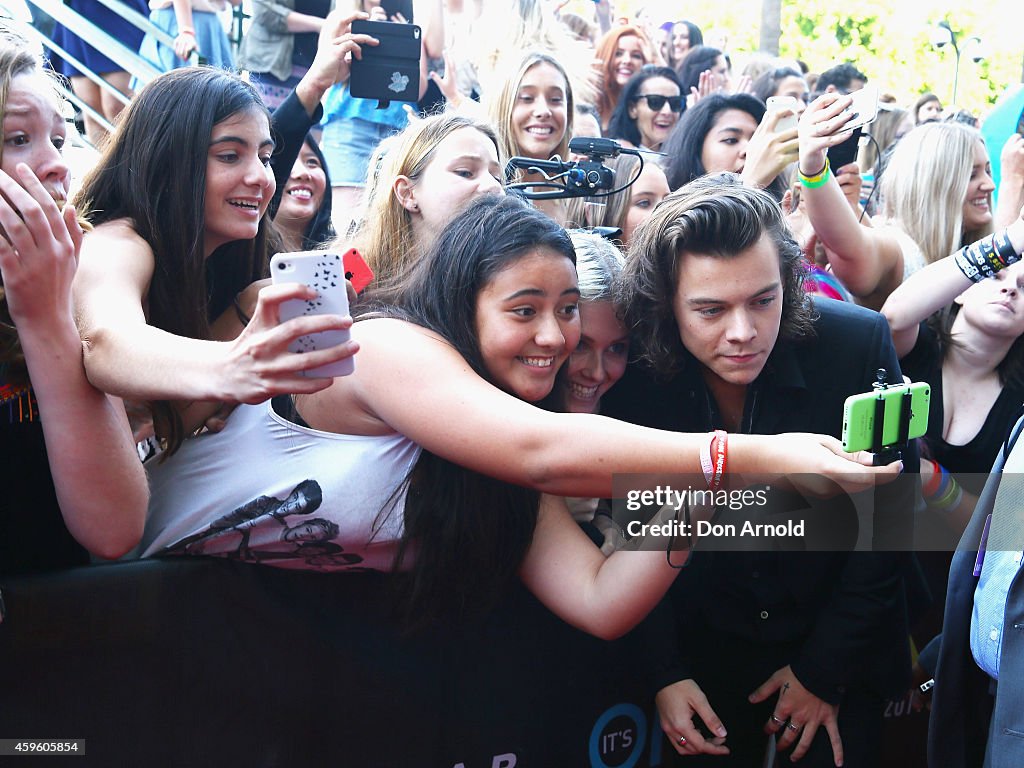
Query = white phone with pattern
x=324 y=272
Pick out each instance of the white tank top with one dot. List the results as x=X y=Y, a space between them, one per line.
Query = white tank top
x=269 y=491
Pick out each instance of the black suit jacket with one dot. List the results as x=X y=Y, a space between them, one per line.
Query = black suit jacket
x=844 y=610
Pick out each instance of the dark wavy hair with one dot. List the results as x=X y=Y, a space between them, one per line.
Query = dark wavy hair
x=840 y=77
x=470 y=531
x=153 y=173
x=715 y=216
x=621 y=125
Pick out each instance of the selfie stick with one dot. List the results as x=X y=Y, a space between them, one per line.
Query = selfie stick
x=890 y=453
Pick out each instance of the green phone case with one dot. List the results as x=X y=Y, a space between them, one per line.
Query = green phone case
x=859 y=416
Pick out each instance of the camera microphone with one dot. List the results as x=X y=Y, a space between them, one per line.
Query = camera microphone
x=594 y=147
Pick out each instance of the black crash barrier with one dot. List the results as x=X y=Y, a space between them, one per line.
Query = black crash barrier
x=208 y=662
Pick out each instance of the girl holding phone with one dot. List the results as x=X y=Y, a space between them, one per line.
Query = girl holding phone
x=179 y=213
x=936 y=195
x=730 y=133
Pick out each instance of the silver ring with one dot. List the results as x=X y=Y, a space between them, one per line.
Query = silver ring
x=682 y=740
x=793 y=727
x=777 y=720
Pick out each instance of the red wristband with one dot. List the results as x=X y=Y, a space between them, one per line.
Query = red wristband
x=721 y=457
x=934 y=481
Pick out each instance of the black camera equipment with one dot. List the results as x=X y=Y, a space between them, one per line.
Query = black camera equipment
x=572 y=178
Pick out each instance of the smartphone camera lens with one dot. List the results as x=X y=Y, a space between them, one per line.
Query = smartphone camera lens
x=281 y=265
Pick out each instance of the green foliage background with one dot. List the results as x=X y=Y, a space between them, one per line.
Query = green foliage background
x=889 y=40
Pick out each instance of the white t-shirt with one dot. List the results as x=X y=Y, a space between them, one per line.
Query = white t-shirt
x=269 y=491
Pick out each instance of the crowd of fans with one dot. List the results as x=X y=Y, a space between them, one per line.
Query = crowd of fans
x=742 y=290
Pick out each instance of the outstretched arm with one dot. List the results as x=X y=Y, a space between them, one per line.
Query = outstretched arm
x=930 y=289
x=98 y=478
x=127 y=357
x=411 y=381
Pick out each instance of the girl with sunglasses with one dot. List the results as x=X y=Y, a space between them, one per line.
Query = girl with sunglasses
x=649 y=109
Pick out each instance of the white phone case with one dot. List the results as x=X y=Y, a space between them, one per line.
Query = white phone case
x=779 y=103
x=324 y=273
x=864 y=107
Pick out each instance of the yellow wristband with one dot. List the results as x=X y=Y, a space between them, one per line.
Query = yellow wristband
x=818 y=180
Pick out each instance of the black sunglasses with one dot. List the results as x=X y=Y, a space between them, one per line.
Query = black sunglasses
x=656 y=102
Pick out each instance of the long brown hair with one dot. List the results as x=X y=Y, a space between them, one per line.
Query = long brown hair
x=153 y=173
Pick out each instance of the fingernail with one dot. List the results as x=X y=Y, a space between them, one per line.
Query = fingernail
x=721 y=732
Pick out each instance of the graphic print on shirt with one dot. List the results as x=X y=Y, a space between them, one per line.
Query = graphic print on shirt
x=260 y=531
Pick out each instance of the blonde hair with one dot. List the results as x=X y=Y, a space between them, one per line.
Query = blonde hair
x=502 y=104
x=385 y=237
x=925 y=184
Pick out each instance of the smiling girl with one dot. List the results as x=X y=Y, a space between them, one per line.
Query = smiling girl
x=431 y=458
x=649 y=108
x=303 y=218
x=622 y=52
x=72 y=481
x=178 y=207
x=533 y=112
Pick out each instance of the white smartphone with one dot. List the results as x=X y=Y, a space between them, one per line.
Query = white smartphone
x=864 y=107
x=779 y=104
x=324 y=272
